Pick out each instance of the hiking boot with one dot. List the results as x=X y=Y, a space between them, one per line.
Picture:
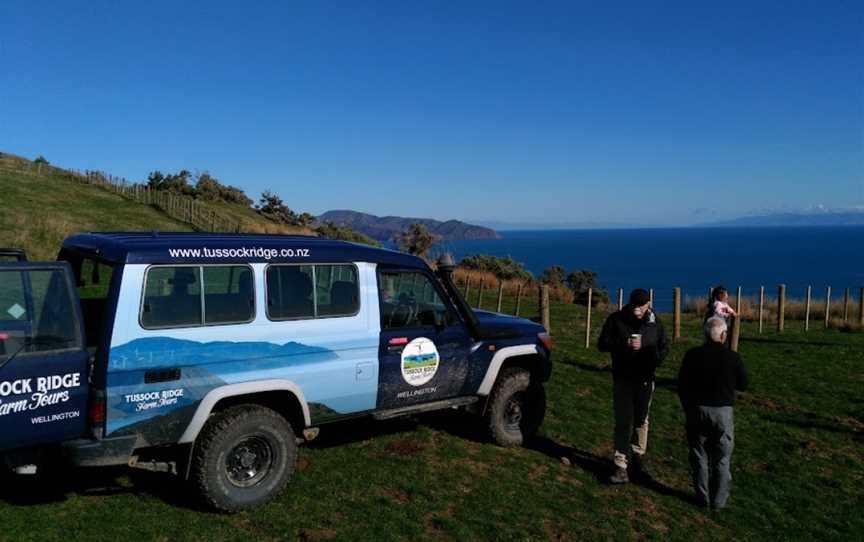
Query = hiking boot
x=619 y=477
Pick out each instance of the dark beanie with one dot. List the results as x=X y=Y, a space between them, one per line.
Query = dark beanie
x=639 y=297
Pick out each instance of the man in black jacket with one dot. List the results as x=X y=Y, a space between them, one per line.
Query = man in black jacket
x=637 y=343
x=707 y=381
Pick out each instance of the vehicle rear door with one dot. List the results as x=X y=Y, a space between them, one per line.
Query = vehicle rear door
x=424 y=347
x=43 y=360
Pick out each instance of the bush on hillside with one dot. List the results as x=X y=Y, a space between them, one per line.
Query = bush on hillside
x=175 y=184
x=503 y=267
x=41 y=160
x=580 y=281
x=332 y=231
x=209 y=188
x=416 y=240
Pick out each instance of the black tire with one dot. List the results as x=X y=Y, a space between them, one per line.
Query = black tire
x=516 y=408
x=243 y=457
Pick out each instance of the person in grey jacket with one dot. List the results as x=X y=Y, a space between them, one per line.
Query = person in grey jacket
x=707 y=382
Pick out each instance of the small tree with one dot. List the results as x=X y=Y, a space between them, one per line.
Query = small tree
x=580 y=281
x=553 y=275
x=270 y=206
x=41 y=160
x=416 y=240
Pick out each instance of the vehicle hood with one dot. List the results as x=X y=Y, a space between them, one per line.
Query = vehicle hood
x=496 y=325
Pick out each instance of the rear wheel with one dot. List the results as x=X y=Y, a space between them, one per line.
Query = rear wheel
x=243 y=458
x=516 y=408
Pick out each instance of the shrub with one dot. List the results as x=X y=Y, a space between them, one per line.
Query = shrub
x=503 y=267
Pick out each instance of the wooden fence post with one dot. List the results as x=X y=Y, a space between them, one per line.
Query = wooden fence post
x=736 y=333
x=588 y=320
x=518 y=299
x=781 y=307
x=736 y=322
x=676 y=314
x=861 y=307
x=761 y=306
x=827 y=306
x=544 y=308
x=500 y=295
x=807 y=310
x=846 y=305
x=620 y=298
x=467 y=286
x=480 y=295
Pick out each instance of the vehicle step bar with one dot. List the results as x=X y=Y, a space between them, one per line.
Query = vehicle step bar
x=425 y=407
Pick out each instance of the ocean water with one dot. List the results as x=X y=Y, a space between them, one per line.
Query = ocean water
x=692 y=258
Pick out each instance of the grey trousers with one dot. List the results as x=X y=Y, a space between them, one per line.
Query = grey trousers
x=631 y=402
x=711 y=437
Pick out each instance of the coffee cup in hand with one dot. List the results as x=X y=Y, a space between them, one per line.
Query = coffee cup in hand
x=636 y=341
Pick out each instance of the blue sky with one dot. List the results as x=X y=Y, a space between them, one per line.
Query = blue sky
x=533 y=112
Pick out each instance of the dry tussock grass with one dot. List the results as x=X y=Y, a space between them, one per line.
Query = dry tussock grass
x=39 y=236
x=796 y=309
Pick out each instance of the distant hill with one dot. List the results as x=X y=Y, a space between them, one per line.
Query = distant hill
x=385 y=227
x=823 y=218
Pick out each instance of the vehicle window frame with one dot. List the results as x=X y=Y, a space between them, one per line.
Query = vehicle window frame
x=454 y=314
x=314 y=293
x=203 y=322
x=60 y=267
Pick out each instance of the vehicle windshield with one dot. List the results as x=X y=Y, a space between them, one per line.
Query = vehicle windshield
x=36 y=312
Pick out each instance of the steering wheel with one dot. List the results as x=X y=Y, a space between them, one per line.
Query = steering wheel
x=404 y=312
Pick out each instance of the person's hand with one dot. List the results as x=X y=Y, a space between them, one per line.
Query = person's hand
x=635 y=344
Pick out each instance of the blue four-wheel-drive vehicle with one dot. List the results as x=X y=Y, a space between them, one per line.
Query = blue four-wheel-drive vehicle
x=213 y=355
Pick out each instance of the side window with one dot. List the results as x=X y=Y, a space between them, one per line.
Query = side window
x=228 y=295
x=172 y=297
x=93 y=279
x=36 y=312
x=409 y=299
x=336 y=290
x=290 y=292
x=312 y=291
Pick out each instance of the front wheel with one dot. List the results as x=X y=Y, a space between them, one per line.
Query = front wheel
x=516 y=408
x=243 y=458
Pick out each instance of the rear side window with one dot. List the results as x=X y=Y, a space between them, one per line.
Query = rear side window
x=312 y=291
x=36 y=312
x=186 y=296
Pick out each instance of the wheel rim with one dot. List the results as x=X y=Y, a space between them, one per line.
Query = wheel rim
x=249 y=461
x=513 y=412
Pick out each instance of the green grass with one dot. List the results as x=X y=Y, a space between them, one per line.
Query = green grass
x=38 y=212
x=798 y=466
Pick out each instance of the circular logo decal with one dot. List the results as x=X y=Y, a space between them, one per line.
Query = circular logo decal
x=419 y=361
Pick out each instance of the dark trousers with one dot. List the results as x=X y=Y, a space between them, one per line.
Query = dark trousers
x=631 y=401
x=711 y=438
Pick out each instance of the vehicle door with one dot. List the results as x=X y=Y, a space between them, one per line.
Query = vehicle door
x=424 y=348
x=43 y=361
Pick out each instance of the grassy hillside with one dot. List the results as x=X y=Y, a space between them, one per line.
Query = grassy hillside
x=39 y=211
x=798 y=466
x=42 y=205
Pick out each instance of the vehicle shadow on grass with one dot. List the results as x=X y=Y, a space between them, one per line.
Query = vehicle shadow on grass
x=57 y=485
x=360 y=429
